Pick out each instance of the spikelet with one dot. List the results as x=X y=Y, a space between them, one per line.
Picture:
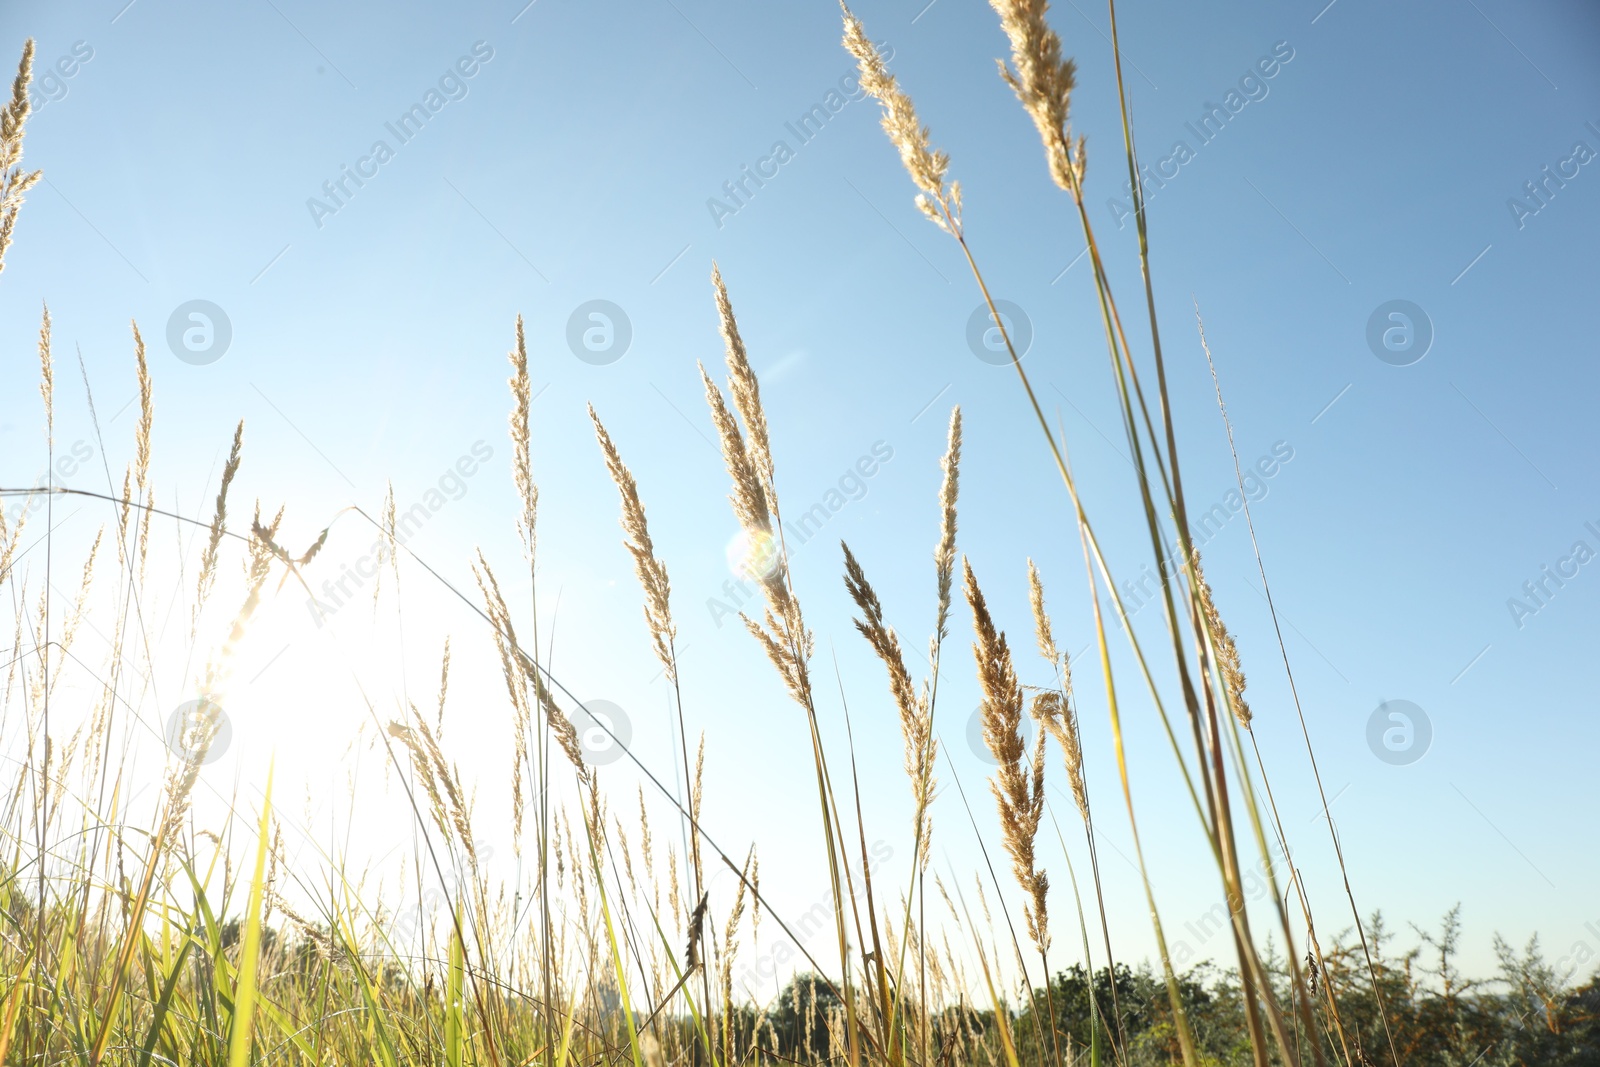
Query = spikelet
x=696 y=802
x=1054 y=708
x=47 y=373
x=1043 y=82
x=13 y=182
x=749 y=498
x=521 y=459
x=208 y=558
x=1227 y=651
x=1018 y=785
x=927 y=166
x=944 y=555
x=744 y=387
x=651 y=571
x=782 y=634
x=444 y=683
x=673 y=897
x=915 y=724
x=514 y=662
x=147 y=414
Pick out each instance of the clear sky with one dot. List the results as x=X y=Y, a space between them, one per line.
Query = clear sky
x=578 y=152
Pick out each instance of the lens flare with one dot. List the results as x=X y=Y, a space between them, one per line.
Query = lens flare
x=754 y=556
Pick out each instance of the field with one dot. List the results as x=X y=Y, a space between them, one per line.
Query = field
x=134 y=930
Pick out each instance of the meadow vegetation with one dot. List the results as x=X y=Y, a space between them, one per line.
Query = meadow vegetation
x=135 y=938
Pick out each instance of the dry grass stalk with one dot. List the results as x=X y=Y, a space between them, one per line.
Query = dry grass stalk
x=940 y=202
x=1018 y=785
x=651 y=571
x=1054 y=709
x=916 y=724
x=147 y=414
x=1227 y=651
x=742 y=383
x=47 y=372
x=444 y=683
x=1043 y=82
x=14 y=184
x=521 y=462
x=515 y=664
x=208 y=558
x=784 y=637
x=944 y=555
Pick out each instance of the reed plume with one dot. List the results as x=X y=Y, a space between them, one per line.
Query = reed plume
x=939 y=201
x=147 y=414
x=47 y=373
x=1018 y=785
x=783 y=637
x=1054 y=709
x=916 y=724
x=1043 y=82
x=519 y=671
x=1227 y=652
x=521 y=459
x=944 y=555
x=651 y=571
x=14 y=183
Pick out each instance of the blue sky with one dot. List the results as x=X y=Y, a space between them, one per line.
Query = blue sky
x=584 y=157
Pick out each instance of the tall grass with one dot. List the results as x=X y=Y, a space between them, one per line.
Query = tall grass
x=127 y=936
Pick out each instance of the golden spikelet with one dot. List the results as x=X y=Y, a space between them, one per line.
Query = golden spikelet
x=651 y=571
x=749 y=498
x=1018 y=785
x=147 y=414
x=697 y=800
x=1043 y=82
x=745 y=389
x=915 y=724
x=444 y=682
x=521 y=461
x=1227 y=651
x=673 y=898
x=1041 y=620
x=14 y=183
x=47 y=373
x=208 y=558
x=515 y=663
x=944 y=555
x=927 y=166
x=1054 y=708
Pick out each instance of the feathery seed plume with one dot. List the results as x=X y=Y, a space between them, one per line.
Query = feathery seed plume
x=13 y=182
x=927 y=166
x=521 y=461
x=1227 y=651
x=651 y=571
x=1043 y=82
x=1018 y=785
x=944 y=556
